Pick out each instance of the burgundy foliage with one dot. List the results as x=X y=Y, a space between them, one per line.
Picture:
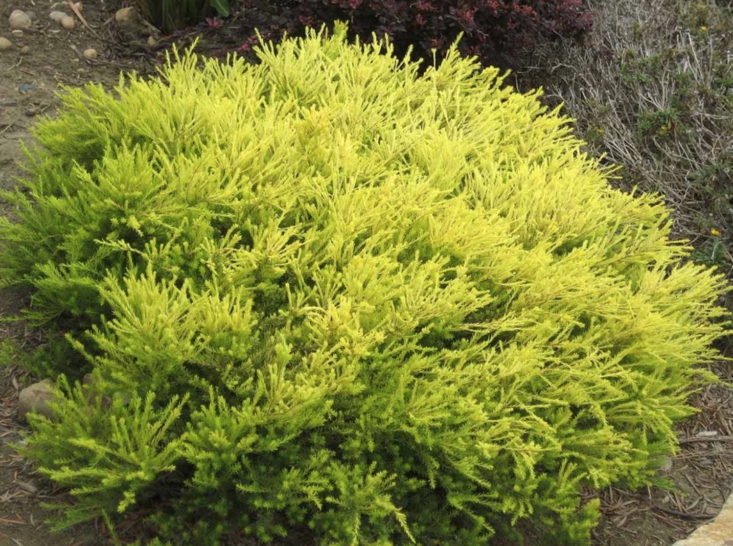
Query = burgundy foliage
x=493 y=30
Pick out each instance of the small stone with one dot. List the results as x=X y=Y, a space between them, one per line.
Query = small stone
x=125 y=15
x=19 y=20
x=17 y=33
x=90 y=54
x=68 y=22
x=36 y=399
x=5 y=44
x=24 y=50
x=57 y=16
x=666 y=466
x=152 y=41
x=34 y=111
x=27 y=486
x=79 y=6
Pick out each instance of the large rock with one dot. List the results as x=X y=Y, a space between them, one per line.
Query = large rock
x=36 y=399
x=718 y=532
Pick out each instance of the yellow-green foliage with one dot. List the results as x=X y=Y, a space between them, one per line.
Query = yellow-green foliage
x=373 y=307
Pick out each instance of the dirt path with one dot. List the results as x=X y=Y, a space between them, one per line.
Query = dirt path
x=703 y=471
x=29 y=80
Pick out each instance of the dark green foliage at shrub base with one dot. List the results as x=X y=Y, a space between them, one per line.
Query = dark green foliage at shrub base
x=326 y=296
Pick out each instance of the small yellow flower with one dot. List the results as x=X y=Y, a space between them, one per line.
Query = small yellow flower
x=714 y=232
x=704 y=29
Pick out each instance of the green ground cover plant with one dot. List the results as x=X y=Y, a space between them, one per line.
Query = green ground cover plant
x=327 y=298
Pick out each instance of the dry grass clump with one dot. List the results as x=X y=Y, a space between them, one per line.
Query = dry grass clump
x=653 y=91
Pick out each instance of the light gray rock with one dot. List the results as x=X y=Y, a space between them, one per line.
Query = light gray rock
x=718 y=532
x=28 y=486
x=36 y=399
x=57 y=16
x=19 y=20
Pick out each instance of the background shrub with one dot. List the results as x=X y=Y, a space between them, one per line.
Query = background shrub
x=169 y=15
x=493 y=30
x=652 y=92
x=325 y=297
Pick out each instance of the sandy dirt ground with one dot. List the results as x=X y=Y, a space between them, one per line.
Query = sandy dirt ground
x=32 y=71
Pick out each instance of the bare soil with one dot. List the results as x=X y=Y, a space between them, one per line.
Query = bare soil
x=702 y=472
x=701 y=475
x=29 y=82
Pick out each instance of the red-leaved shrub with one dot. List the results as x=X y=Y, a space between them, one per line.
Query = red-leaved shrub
x=493 y=30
